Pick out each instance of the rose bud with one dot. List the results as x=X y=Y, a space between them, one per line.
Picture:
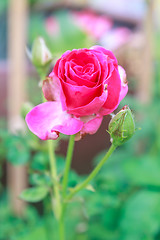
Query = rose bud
x=41 y=56
x=122 y=126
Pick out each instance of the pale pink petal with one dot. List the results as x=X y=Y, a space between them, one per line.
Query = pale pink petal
x=92 y=126
x=124 y=83
x=51 y=88
x=104 y=51
x=89 y=127
x=57 y=90
x=48 y=119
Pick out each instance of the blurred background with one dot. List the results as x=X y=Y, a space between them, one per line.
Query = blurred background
x=126 y=203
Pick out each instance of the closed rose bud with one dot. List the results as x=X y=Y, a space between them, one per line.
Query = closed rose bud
x=41 y=56
x=121 y=127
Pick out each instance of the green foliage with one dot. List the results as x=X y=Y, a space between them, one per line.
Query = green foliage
x=147 y=171
x=125 y=204
x=3 y=6
x=40 y=179
x=18 y=151
x=15 y=148
x=34 y=194
x=3 y=137
x=40 y=161
x=13 y=226
x=141 y=214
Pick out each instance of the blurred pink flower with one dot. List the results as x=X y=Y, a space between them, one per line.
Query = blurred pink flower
x=85 y=85
x=52 y=26
x=92 y=23
x=115 y=38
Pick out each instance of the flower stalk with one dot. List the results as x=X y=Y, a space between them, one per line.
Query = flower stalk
x=92 y=174
x=57 y=200
x=68 y=164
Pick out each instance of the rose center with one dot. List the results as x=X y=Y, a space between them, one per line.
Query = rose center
x=87 y=69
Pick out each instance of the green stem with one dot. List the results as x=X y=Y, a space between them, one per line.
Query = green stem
x=52 y=159
x=68 y=164
x=47 y=220
x=61 y=227
x=92 y=174
x=56 y=199
x=64 y=184
x=42 y=73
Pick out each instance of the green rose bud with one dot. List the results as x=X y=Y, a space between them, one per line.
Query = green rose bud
x=122 y=126
x=41 y=56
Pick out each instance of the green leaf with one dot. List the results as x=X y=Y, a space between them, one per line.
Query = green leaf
x=35 y=194
x=40 y=179
x=40 y=161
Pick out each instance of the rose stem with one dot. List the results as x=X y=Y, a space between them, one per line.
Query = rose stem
x=65 y=182
x=52 y=160
x=92 y=174
x=57 y=208
x=53 y=169
x=68 y=164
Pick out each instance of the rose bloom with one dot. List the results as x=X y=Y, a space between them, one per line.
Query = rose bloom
x=85 y=85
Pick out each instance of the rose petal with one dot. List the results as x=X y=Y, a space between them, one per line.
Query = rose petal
x=80 y=80
x=114 y=88
x=91 y=108
x=90 y=127
x=105 y=51
x=77 y=96
x=104 y=63
x=107 y=60
x=82 y=57
x=51 y=88
x=124 y=83
x=48 y=119
x=56 y=67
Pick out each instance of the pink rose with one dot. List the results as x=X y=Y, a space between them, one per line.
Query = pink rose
x=85 y=85
x=93 y=24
